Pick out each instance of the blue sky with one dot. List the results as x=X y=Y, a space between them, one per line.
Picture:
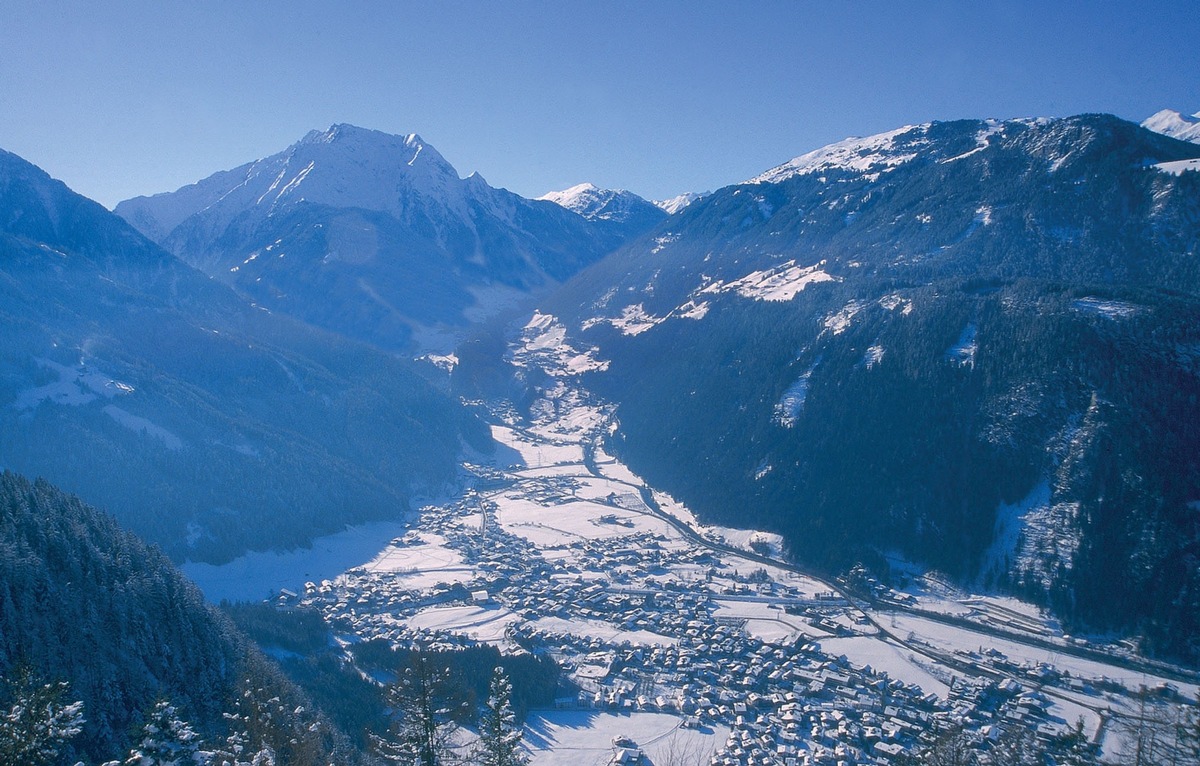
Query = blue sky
x=126 y=98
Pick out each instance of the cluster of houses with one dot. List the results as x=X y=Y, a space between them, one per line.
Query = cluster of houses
x=784 y=701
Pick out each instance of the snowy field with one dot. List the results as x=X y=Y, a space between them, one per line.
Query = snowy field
x=601 y=630
x=886 y=657
x=584 y=737
x=485 y=624
x=424 y=564
x=256 y=576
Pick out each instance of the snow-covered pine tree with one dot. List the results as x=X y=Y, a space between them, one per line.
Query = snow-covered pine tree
x=499 y=732
x=167 y=740
x=39 y=722
x=422 y=728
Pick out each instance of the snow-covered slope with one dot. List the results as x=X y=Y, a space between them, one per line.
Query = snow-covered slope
x=1175 y=124
x=370 y=234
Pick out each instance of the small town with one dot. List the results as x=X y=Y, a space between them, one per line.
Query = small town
x=758 y=663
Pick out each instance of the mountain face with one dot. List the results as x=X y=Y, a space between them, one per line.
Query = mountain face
x=621 y=212
x=970 y=344
x=1171 y=123
x=370 y=235
x=86 y=602
x=209 y=426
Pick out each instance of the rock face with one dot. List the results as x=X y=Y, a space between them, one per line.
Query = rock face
x=972 y=344
x=371 y=235
x=209 y=426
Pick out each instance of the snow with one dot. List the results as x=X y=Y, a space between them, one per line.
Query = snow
x=75 y=387
x=596 y=204
x=991 y=128
x=1009 y=524
x=144 y=426
x=1108 y=309
x=876 y=153
x=963 y=352
x=951 y=637
x=543 y=343
x=839 y=322
x=601 y=630
x=789 y=407
x=584 y=737
x=894 y=301
x=255 y=576
x=1178 y=167
x=662 y=241
x=764 y=622
x=884 y=656
x=679 y=202
x=873 y=356
x=424 y=564
x=486 y=624
x=781 y=283
x=634 y=320
x=1172 y=123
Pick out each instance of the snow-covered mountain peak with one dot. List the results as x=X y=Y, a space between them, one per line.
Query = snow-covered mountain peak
x=596 y=204
x=674 y=204
x=1175 y=124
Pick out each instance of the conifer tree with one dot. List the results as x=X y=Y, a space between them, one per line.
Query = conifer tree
x=39 y=722
x=422 y=728
x=167 y=740
x=499 y=732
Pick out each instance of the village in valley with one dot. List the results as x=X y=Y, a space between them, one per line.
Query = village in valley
x=686 y=643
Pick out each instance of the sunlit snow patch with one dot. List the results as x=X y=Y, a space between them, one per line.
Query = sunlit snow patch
x=963 y=352
x=1178 y=167
x=791 y=404
x=839 y=322
x=873 y=356
x=634 y=320
x=781 y=283
x=1108 y=309
x=991 y=128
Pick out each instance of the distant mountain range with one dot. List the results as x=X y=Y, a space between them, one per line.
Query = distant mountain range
x=622 y=212
x=1171 y=123
x=970 y=344
x=375 y=236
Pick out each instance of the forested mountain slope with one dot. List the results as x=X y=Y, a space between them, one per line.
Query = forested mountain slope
x=972 y=344
x=83 y=601
x=210 y=426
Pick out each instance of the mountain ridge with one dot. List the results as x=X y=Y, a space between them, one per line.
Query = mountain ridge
x=379 y=230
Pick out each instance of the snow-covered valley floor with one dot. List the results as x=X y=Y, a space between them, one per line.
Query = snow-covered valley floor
x=693 y=638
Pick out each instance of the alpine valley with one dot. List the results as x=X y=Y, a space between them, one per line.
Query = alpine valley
x=888 y=455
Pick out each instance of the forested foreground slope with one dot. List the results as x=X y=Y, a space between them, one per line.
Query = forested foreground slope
x=83 y=601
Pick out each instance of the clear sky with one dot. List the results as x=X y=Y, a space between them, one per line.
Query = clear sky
x=127 y=98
